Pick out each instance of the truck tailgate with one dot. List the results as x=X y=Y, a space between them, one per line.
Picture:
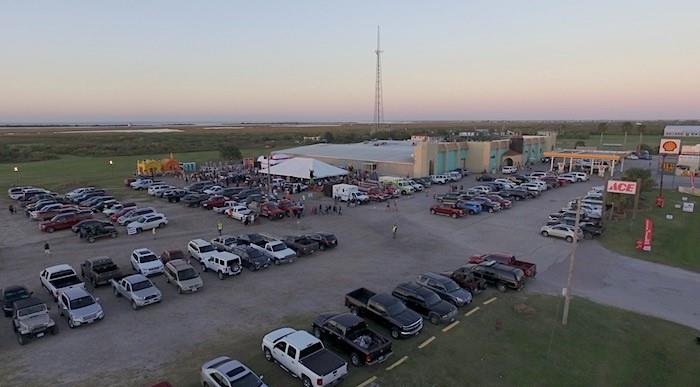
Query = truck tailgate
x=530 y=269
x=325 y=364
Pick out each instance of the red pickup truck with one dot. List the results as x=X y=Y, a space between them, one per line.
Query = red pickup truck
x=214 y=202
x=530 y=269
x=271 y=211
x=447 y=210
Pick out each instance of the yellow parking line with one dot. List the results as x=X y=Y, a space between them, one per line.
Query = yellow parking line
x=447 y=328
x=471 y=312
x=396 y=363
x=366 y=382
x=490 y=300
x=426 y=342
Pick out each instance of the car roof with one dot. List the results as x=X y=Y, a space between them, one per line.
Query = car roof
x=200 y=242
x=179 y=264
x=300 y=339
x=143 y=251
x=77 y=292
x=27 y=302
x=14 y=288
x=61 y=267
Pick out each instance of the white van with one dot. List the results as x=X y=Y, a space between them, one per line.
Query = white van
x=509 y=169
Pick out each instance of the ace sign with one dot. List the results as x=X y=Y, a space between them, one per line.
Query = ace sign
x=623 y=187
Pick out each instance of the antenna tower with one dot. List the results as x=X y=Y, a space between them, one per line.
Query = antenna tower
x=378 y=94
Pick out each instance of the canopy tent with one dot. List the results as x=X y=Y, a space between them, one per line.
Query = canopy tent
x=301 y=167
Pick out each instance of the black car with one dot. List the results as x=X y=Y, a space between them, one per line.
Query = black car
x=11 y=294
x=232 y=191
x=426 y=302
x=350 y=334
x=199 y=186
x=446 y=288
x=498 y=274
x=325 y=240
x=245 y=193
x=386 y=310
x=485 y=177
x=87 y=223
x=91 y=233
x=194 y=199
x=515 y=194
x=487 y=204
x=252 y=259
x=174 y=195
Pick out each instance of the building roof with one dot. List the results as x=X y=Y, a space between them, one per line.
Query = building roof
x=374 y=151
x=301 y=167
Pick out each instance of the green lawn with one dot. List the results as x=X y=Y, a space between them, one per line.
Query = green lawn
x=630 y=144
x=674 y=242
x=499 y=346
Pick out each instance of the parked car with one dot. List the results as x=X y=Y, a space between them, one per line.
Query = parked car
x=251 y=258
x=169 y=255
x=508 y=169
x=238 y=212
x=147 y=222
x=145 y=261
x=226 y=372
x=447 y=289
x=516 y=193
x=58 y=278
x=439 y=179
x=221 y=262
x=504 y=203
x=446 y=210
x=304 y=357
x=134 y=215
x=117 y=208
x=79 y=307
x=561 y=231
x=136 y=288
x=466 y=280
x=487 y=204
x=530 y=269
x=194 y=199
x=277 y=249
x=267 y=210
x=174 y=195
x=325 y=240
x=485 y=177
x=10 y=294
x=426 y=302
x=214 y=202
x=31 y=320
x=214 y=190
x=301 y=244
x=93 y=232
x=98 y=271
x=141 y=184
x=386 y=310
x=497 y=274
x=64 y=221
x=183 y=276
x=199 y=186
x=227 y=205
x=590 y=229
x=351 y=335
x=226 y=242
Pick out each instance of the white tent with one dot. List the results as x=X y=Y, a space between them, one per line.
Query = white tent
x=301 y=167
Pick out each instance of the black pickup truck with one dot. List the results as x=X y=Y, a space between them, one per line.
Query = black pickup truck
x=98 y=271
x=301 y=245
x=386 y=310
x=350 y=334
x=498 y=274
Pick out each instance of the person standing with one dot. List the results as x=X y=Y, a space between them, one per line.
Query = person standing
x=12 y=209
x=153 y=231
x=394 y=229
x=219 y=227
x=47 y=249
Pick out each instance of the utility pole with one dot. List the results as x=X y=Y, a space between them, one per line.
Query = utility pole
x=567 y=291
x=269 y=177
x=378 y=92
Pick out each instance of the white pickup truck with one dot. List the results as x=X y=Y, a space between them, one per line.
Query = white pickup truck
x=59 y=278
x=136 y=288
x=303 y=356
x=276 y=249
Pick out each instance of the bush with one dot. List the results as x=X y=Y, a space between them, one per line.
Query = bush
x=230 y=152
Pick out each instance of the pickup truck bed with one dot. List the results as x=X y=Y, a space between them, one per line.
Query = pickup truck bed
x=530 y=269
x=65 y=282
x=322 y=362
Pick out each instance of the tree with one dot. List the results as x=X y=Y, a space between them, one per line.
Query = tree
x=328 y=136
x=626 y=126
x=230 y=152
x=632 y=174
x=602 y=127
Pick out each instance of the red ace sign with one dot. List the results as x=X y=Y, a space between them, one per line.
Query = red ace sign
x=623 y=187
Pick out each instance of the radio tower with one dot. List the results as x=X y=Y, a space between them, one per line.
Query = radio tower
x=378 y=97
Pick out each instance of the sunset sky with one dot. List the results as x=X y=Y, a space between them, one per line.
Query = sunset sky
x=119 y=61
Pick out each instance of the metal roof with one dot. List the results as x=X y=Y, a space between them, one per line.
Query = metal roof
x=374 y=151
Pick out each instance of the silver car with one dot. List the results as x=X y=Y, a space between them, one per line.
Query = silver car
x=79 y=307
x=224 y=371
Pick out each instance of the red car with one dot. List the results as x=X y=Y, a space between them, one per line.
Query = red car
x=505 y=203
x=46 y=215
x=169 y=255
x=530 y=269
x=447 y=211
x=214 y=202
x=288 y=207
x=270 y=210
x=553 y=181
x=60 y=222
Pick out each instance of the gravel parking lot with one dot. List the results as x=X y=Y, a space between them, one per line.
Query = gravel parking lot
x=130 y=341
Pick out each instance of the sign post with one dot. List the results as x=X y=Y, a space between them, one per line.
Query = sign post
x=636 y=199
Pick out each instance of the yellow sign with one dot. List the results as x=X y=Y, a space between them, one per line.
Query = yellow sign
x=669 y=147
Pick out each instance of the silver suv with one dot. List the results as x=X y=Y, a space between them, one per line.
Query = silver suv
x=79 y=307
x=183 y=276
x=31 y=320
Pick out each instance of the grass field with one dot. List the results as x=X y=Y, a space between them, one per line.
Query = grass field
x=516 y=340
x=674 y=241
x=631 y=143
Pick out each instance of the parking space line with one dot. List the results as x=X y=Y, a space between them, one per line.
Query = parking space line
x=426 y=342
x=490 y=300
x=366 y=382
x=471 y=312
x=396 y=363
x=447 y=328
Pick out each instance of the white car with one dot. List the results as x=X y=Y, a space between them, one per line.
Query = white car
x=147 y=222
x=416 y=186
x=532 y=187
x=141 y=184
x=632 y=157
x=509 y=169
x=214 y=190
x=223 y=263
x=439 y=179
x=145 y=262
x=116 y=208
x=156 y=189
x=561 y=231
x=537 y=175
x=16 y=192
x=454 y=175
x=568 y=177
x=77 y=192
x=238 y=212
x=481 y=188
x=505 y=182
x=597 y=189
x=580 y=176
x=227 y=205
x=224 y=371
x=539 y=183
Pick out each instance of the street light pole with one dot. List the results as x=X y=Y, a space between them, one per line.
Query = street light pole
x=567 y=291
x=16 y=170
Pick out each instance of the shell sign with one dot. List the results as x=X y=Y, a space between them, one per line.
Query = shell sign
x=670 y=147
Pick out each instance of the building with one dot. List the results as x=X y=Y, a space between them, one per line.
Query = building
x=424 y=155
x=682 y=131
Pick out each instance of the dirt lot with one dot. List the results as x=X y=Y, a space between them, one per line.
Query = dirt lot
x=131 y=344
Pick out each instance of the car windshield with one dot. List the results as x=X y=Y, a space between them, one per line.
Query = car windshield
x=206 y=248
x=31 y=310
x=141 y=219
x=450 y=286
x=187 y=274
x=249 y=380
x=278 y=247
x=395 y=308
x=311 y=349
x=81 y=302
x=141 y=285
x=16 y=294
x=148 y=258
x=431 y=299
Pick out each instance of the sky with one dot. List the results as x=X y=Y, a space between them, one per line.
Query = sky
x=242 y=61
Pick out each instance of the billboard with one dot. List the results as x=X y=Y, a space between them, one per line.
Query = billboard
x=669 y=146
x=622 y=187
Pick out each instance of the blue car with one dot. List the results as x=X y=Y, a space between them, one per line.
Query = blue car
x=471 y=207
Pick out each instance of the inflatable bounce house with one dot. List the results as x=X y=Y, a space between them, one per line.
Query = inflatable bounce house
x=158 y=167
